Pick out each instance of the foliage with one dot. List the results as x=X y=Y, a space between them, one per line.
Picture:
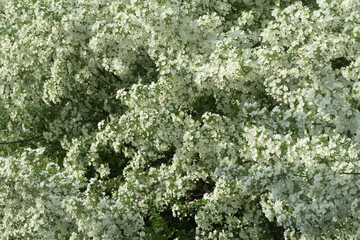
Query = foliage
x=192 y=119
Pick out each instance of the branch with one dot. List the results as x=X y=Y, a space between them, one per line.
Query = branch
x=304 y=176
x=3 y=13
x=99 y=78
x=90 y=121
x=20 y=141
x=103 y=72
x=325 y=125
x=139 y=65
x=86 y=152
x=116 y=76
x=355 y=173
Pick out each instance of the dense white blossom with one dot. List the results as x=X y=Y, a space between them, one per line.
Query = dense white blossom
x=193 y=119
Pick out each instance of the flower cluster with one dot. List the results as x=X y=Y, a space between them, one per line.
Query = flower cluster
x=192 y=119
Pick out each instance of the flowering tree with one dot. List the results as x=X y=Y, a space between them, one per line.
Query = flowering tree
x=179 y=119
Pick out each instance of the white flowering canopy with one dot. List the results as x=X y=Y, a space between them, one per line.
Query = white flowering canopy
x=179 y=119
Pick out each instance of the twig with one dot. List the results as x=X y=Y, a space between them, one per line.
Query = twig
x=20 y=141
x=355 y=173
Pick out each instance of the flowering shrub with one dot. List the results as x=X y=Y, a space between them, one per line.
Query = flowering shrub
x=193 y=119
